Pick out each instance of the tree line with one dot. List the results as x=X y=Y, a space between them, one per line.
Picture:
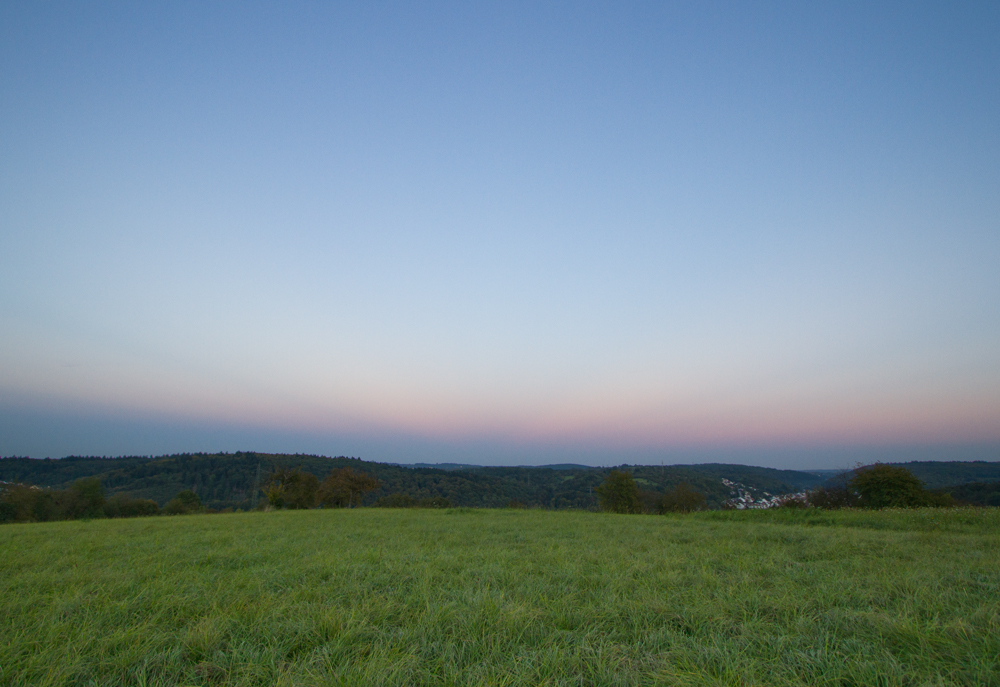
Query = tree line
x=635 y=489
x=341 y=488
x=872 y=487
x=229 y=480
x=295 y=488
x=86 y=499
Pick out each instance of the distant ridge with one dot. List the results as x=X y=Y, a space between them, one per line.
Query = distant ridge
x=226 y=480
x=469 y=466
x=562 y=466
x=438 y=466
x=937 y=474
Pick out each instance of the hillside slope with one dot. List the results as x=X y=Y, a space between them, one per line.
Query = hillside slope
x=937 y=474
x=227 y=480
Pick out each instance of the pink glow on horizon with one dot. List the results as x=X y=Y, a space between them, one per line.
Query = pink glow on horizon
x=726 y=407
x=813 y=421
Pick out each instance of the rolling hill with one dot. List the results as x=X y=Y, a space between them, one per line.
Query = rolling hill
x=227 y=480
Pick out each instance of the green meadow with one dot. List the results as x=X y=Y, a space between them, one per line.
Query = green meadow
x=504 y=597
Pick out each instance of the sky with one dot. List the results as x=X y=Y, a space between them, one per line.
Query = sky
x=501 y=233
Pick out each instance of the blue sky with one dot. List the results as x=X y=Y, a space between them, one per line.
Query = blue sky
x=501 y=232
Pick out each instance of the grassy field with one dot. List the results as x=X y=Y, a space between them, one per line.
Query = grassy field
x=417 y=597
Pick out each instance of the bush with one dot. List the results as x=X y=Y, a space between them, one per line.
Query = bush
x=682 y=499
x=123 y=506
x=396 y=501
x=7 y=512
x=184 y=503
x=434 y=502
x=832 y=498
x=879 y=486
x=407 y=501
x=85 y=499
x=293 y=489
x=889 y=486
x=275 y=496
x=650 y=500
x=21 y=500
x=619 y=493
x=31 y=504
x=345 y=487
x=938 y=499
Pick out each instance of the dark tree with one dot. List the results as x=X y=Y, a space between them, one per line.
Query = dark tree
x=345 y=487
x=619 y=493
x=889 y=486
x=85 y=499
x=302 y=491
x=292 y=489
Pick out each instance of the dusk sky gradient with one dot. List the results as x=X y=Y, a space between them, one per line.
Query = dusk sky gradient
x=511 y=233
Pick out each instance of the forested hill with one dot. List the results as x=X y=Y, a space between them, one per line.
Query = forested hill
x=221 y=480
x=946 y=474
x=936 y=474
x=227 y=480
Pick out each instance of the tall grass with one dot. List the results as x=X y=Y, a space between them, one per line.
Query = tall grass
x=411 y=597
